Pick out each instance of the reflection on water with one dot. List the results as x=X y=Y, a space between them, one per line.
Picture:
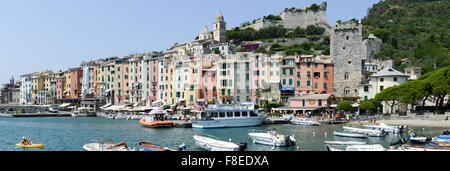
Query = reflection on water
x=70 y=134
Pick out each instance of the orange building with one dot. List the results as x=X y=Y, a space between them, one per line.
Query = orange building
x=313 y=75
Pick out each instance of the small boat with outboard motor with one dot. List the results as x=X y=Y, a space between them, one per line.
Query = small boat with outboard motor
x=345 y=142
x=212 y=144
x=427 y=146
x=349 y=134
x=369 y=132
x=271 y=137
x=387 y=128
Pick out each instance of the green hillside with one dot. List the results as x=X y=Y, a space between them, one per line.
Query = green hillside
x=414 y=29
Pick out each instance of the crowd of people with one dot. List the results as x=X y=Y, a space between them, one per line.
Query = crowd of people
x=331 y=115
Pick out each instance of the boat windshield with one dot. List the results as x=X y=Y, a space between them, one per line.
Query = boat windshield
x=253 y=114
x=159 y=117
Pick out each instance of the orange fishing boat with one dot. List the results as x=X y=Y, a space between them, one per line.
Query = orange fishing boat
x=157 y=119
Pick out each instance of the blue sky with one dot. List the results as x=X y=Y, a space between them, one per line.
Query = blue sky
x=36 y=35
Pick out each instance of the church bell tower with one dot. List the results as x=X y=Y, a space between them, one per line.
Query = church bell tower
x=220 y=29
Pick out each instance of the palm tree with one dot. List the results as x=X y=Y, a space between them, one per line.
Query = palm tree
x=266 y=93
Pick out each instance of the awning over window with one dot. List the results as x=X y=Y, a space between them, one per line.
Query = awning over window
x=287 y=89
x=64 y=105
x=105 y=106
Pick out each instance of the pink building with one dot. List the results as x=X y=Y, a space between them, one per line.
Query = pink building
x=257 y=75
x=154 y=77
x=313 y=75
x=208 y=86
x=306 y=103
x=75 y=78
x=60 y=83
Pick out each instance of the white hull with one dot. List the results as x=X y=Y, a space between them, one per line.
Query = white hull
x=103 y=147
x=306 y=123
x=214 y=145
x=345 y=142
x=353 y=135
x=267 y=139
x=382 y=126
x=372 y=147
x=5 y=115
x=228 y=122
x=372 y=133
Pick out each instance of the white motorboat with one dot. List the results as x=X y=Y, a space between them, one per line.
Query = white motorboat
x=228 y=116
x=348 y=134
x=371 y=147
x=121 y=116
x=420 y=140
x=304 y=121
x=5 y=115
x=369 y=132
x=382 y=126
x=107 y=145
x=217 y=145
x=421 y=148
x=110 y=116
x=272 y=138
x=84 y=112
x=345 y=142
x=136 y=117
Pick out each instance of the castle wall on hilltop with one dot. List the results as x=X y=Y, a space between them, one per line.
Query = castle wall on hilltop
x=291 y=19
x=302 y=19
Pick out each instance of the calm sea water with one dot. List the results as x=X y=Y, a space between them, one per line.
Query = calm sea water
x=70 y=134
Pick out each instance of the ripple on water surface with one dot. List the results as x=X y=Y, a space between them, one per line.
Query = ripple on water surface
x=70 y=134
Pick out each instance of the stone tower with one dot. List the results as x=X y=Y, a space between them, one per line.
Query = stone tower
x=346 y=52
x=220 y=29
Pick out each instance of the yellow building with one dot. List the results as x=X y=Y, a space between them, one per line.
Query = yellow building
x=171 y=83
x=66 y=92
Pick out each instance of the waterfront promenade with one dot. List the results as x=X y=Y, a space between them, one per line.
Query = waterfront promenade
x=427 y=120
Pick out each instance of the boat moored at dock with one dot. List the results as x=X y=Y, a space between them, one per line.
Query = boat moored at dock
x=228 y=116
